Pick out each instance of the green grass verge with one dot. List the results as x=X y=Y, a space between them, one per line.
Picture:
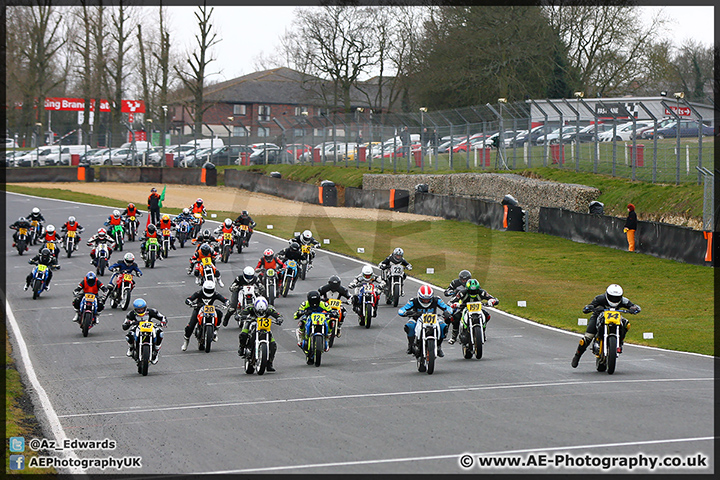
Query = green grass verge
x=554 y=276
x=19 y=421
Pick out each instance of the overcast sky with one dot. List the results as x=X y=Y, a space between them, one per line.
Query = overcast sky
x=248 y=32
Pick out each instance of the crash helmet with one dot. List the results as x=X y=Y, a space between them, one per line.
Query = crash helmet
x=131 y=206
x=90 y=278
x=199 y=202
x=472 y=287
x=313 y=298
x=398 y=254
x=35 y=210
x=260 y=305
x=425 y=295
x=306 y=236
x=244 y=212
x=248 y=273
x=50 y=229
x=140 y=306
x=295 y=247
x=71 y=219
x=464 y=276
x=45 y=254
x=208 y=288
x=206 y=232
x=116 y=213
x=151 y=228
x=367 y=272
x=129 y=258
x=268 y=254
x=614 y=295
x=334 y=281
x=166 y=217
x=228 y=222
x=22 y=219
x=205 y=249
x=186 y=211
x=101 y=233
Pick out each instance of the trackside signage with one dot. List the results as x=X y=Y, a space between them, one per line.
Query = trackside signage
x=78 y=104
x=680 y=111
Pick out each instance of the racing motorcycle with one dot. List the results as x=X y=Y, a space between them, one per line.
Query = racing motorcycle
x=144 y=334
x=334 y=322
x=393 y=278
x=270 y=280
x=315 y=344
x=53 y=247
x=242 y=237
x=39 y=279
x=118 y=234
x=35 y=232
x=69 y=243
x=121 y=291
x=256 y=357
x=306 y=262
x=289 y=277
x=207 y=271
x=165 y=245
x=102 y=257
x=606 y=345
x=246 y=298
x=226 y=246
x=152 y=248
x=367 y=303
x=88 y=312
x=197 y=222
x=131 y=226
x=22 y=240
x=427 y=336
x=183 y=232
x=472 y=330
x=208 y=321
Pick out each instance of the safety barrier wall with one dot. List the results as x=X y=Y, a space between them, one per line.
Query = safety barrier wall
x=49 y=174
x=297 y=191
x=474 y=210
x=397 y=200
x=658 y=239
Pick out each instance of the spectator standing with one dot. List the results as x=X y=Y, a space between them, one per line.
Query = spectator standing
x=630 y=227
x=154 y=206
x=405 y=139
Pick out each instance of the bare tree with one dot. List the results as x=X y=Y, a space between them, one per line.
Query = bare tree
x=608 y=45
x=194 y=79
x=116 y=67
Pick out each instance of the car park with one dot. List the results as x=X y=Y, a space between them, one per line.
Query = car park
x=688 y=128
x=623 y=132
x=36 y=156
x=587 y=133
x=554 y=136
x=646 y=132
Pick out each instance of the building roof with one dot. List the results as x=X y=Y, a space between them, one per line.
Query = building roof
x=277 y=86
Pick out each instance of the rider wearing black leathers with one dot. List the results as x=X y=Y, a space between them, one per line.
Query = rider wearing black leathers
x=21 y=222
x=612 y=298
x=245 y=219
x=205 y=296
x=43 y=258
x=335 y=285
x=141 y=313
x=248 y=277
x=458 y=284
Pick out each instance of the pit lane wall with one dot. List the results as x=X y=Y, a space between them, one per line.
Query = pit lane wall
x=652 y=238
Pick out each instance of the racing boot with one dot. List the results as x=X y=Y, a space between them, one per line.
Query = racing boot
x=243 y=337
x=454 y=335
x=186 y=341
x=440 y=352
x=155 y=355
x=582 y=346
x=273 y=349
x=411 y=342
x=230 y=312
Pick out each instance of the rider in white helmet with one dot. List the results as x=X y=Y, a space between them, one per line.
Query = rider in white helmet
x=247 y=277
x=366 y=276
x=205 y=296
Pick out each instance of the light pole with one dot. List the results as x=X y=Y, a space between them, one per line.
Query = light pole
x=678 y=96
x=148 y=140
x=164 y=135
x=423 y=110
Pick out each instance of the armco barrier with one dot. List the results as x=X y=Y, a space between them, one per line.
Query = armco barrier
x=397 y=200
x=474 y=210
x=280 y=187
x=658 y=239
x=48 y=174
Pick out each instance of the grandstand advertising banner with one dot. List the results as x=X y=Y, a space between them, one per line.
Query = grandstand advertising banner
x=78 y=105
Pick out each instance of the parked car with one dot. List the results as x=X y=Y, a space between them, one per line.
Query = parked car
x=84 y=157
x=64 y=156
x=267 y=153
x=587 y=133
x=554 y=136
x=688 y=128
x=646 y=132
x=10 y=144
x=445 y=146
x=10 y=156
x=190 y=158
x=536 y=132
x=294 y=151
x=623 y=132
x=116 y=156
x=36 y=156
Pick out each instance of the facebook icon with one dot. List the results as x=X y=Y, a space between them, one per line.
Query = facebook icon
x=17 y=462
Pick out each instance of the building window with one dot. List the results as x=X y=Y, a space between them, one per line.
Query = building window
x=239 y=131
x=264 y=113
x=300 y=111
x=263 y=132
x=299 y=132
x=239 y=110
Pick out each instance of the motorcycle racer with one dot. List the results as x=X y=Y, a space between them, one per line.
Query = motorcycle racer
x=22 y=222
x=141 y=313
x=150 y=232
x=313 y=304
x=335 y=285
x=205 y=251
x=72 y=226
x=166 y=224
x=457 y=285
x=245 y=219
x=207 y=293
x=100 y=237
x=366 y=276
x=43 y=258
x=424 y=302
x=89 y=284
x=269 y=260
x=247 y=277
x=472 y=293
x=260 y=308
x=126 y=265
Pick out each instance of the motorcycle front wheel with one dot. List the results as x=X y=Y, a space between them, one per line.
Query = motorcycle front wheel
x=263 y=359
x=144 y=360
x=612 y=354
x=318 y=348
x=209 y=335
x=477 y=333
x=85 y=325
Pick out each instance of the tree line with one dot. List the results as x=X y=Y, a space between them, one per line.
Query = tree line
x=436 y=56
